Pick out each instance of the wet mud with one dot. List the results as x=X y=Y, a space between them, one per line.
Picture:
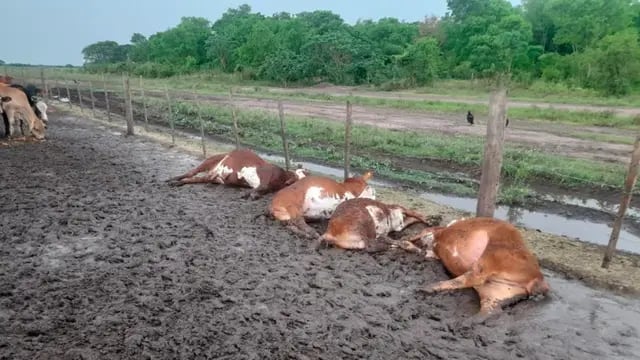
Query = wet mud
x=99 y=259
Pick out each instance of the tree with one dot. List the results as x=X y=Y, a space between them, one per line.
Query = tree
x=616 y=61
x=422 y=61
x=137 y=39
x=104 y=52
x=183 y=45
x=2 y=62
x=489 y=36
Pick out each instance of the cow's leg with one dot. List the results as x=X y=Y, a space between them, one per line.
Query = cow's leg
x=471 y=278
x=257 y=193
x=380 y=244
x=206 y=165
x=5 y=120
x=300 y=227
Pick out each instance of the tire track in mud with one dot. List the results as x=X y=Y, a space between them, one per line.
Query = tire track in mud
x=100 y=259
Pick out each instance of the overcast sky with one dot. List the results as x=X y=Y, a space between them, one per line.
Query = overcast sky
x=54 y=32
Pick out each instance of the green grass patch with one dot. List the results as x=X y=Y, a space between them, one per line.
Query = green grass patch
x=325 y=139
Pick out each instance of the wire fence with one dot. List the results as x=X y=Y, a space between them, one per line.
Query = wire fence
x=226 y=118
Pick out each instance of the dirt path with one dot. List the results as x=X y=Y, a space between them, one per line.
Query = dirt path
x=548 y=137
x=406 y=95
x=99 y=259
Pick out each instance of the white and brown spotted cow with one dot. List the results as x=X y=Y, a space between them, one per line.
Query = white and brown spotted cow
x=241 y=168
x=365 y=224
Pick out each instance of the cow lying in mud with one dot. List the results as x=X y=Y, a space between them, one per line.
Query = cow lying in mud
x=15 y=106
x=242 y=168
x=364 y=224
x=316 y=198
x=486 y=254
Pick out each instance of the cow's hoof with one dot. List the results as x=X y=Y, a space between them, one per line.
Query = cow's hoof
x=428 y=290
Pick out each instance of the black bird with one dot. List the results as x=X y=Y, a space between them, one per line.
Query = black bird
x=469 y=117
x=507 y=124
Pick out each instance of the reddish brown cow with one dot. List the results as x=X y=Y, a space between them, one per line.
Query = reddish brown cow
x=315 y=198
x=364 y=224
x=488 y=255
x=15 y=105
x=242 y=168
x=6 y=79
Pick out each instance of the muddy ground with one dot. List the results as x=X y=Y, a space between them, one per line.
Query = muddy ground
x=99 y=259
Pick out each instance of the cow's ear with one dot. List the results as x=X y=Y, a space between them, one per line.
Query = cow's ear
x=6 y=98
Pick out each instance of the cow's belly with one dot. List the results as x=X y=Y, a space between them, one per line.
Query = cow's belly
x=320 y=205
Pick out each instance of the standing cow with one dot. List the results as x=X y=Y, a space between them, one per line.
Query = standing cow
x=15 y=106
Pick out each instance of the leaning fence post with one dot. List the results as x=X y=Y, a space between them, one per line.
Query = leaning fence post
x=128 y=105
x=66 y=85
x=492 y=161
x=284 y=136
x=632 y=176
x=235 y=119
x=79 y=96
x=93 y=102
x=106 y=97
x=347 y=140
x=144 y=106
x=173 y=132
x=201 y=120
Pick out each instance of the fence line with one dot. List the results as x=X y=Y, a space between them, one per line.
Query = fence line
x=154 y=94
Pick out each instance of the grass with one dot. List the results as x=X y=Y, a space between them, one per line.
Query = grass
x=220 y=83
x=520 y=166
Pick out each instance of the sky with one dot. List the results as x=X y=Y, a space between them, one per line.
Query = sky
x=54 y=32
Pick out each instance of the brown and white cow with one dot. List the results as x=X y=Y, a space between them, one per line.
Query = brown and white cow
x=316 y=198
x=488 y=255
x=364 y=224
x=241 y=168
x=16 y=107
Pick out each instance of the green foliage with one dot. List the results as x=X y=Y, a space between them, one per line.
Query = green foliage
x=576 y=43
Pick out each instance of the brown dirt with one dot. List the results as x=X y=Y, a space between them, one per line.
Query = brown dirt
x=100 y=259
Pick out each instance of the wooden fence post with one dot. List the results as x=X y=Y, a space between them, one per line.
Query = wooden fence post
x=128 y=105
x=79 y=96
x=198 y=111
x=347 y=140
x=106 y=97
x=173 y=132
x=43 y=83
x=235 y=119
x=144 y=106
x=492 y=161
x=283 y=133
x=93 y=101
x=632 y=176
x=66 y=85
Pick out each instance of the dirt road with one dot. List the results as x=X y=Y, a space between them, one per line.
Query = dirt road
x=100 y=260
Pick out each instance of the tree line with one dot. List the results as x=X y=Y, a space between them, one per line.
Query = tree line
x=579 y=43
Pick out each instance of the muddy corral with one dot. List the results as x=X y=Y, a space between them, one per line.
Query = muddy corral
x=100 y=259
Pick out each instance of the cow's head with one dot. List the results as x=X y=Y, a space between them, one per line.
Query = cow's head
x=297 y=174
x=358 y=186
x=38 y=127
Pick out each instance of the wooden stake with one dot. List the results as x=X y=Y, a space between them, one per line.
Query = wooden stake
x=283 y=133
x=173 y=134
x=347 y=141
x=144 y=106
x=66 y=85
x=235 y=119
x=106 y=97
x=44 y=83
x=632 y=176
x=492 y=162
x=128 y=105
x=93 y=101
x=79 y=97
